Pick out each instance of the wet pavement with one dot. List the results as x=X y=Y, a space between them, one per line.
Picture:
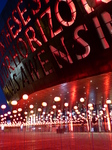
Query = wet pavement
x=23 y=140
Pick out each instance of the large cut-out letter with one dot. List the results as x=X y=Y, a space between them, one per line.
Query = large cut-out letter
x=100 y=33
x=48 y=12
x=21 y=14
x=65 y=56
x=38 y=3
x=32 y=39
x=82 y=42
x=108 y=20
x=72 y=9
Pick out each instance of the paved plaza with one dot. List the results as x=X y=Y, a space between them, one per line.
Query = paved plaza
x=32 y=140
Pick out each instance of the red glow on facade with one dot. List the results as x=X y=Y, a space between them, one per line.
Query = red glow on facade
x=46 y=1
x=42 y=32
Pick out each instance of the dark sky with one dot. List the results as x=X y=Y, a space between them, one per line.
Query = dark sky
x=2 y=97
x=3 y=101
x=2 y=4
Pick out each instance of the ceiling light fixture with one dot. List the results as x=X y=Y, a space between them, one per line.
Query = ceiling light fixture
x=14 y=102
x=25 y=96
x=81 y=99
x=57 y=99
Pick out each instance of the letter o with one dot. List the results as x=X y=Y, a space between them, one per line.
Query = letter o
x=73 y=12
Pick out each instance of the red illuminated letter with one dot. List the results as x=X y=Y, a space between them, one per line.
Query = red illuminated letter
x=10 y=28
x=108 y=21
x=82 y=42
x=23 y=47
x=46 y=1
x=100 y=33
x=18 y=23
x=21 y=14
x=41 y=30
x=73 y=13
x=89 y=4
x=32 y=39
x=38 y=3
x=7 y=62
x=65 y=56
x=6 y=36
x=48 y=12
x=2 y=49
x=86 y=6
x=13 y=26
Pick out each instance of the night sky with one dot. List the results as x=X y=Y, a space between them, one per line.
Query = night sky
x=2 y=4
x=2 y=97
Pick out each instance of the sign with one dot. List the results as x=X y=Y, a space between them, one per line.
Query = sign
x=50 y=42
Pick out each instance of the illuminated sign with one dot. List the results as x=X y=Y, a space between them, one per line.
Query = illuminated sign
x=50 y=42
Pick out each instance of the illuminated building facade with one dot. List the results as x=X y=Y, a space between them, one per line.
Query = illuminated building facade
x=49 y=43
